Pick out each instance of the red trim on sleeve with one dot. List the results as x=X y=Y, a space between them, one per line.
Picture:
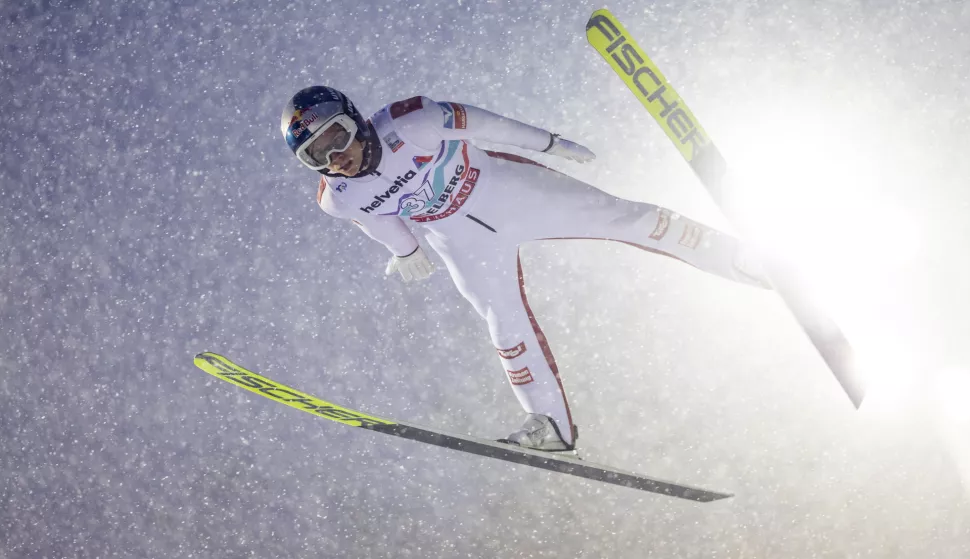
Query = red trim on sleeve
x=321 y=188
x=513 y=157
x=401 y=108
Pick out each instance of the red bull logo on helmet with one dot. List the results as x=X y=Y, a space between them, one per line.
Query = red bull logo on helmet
x=300 y=123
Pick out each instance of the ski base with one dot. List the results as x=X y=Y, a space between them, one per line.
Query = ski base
x=225 y=369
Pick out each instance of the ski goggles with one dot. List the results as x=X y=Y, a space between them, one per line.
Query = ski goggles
x=332 y=137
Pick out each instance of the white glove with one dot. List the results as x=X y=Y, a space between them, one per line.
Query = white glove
x=414 y=266
x=569 y=150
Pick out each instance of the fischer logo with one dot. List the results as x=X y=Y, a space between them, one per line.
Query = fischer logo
x=513 y=352
x=288 y=396
x=395 y=187
x=630 y=61
x=522 y=376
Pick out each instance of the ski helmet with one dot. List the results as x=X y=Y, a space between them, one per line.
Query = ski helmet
x=325 y=114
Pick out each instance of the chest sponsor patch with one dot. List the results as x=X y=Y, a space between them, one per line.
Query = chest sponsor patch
x=471 y=179
x=400 y=182
x=394 y=141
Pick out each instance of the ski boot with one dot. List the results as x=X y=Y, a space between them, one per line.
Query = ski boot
x=540 y=432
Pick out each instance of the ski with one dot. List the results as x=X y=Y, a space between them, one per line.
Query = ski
x=226 y=370
x=605 y=34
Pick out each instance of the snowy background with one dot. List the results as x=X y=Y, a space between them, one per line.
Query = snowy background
x=151 y=210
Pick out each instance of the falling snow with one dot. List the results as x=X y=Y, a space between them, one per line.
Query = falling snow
x=152 y=211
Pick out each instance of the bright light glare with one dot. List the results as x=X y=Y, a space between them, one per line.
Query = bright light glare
x=815 y=196
x=810 y=195
x=951 y=399
x=891 y=383
x=952 y=392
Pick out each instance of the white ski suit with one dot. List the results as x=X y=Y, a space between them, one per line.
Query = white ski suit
x=479 y=207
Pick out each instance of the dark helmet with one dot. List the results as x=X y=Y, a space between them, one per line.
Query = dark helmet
x=311 y=111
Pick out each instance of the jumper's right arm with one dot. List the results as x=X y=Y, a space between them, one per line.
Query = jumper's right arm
x=431 y=122
x=490 y=127
x=389 y=230
x=407 y=258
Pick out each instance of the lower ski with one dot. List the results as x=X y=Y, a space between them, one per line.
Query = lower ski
x=225 y=369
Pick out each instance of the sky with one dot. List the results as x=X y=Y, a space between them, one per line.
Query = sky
x=151 y=211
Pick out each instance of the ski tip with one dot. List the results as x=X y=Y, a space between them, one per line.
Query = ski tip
x=208 y=357
x=596 y=19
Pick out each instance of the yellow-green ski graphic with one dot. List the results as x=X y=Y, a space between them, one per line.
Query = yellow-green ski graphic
x=226 y=370
x=219 y=366
x=651 y=88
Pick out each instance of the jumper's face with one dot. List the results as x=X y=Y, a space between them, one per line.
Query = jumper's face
x=348 y=161
x=333 y=147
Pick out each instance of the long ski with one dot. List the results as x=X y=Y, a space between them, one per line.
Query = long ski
x=605 y=33
x=226 y=370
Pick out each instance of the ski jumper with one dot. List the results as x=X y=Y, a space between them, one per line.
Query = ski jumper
x=480 y=206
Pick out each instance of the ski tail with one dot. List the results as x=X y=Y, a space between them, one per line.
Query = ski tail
x=614 y=43
x=226 y=370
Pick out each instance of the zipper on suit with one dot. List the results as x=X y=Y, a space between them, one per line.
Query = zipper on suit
x=480 y=222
